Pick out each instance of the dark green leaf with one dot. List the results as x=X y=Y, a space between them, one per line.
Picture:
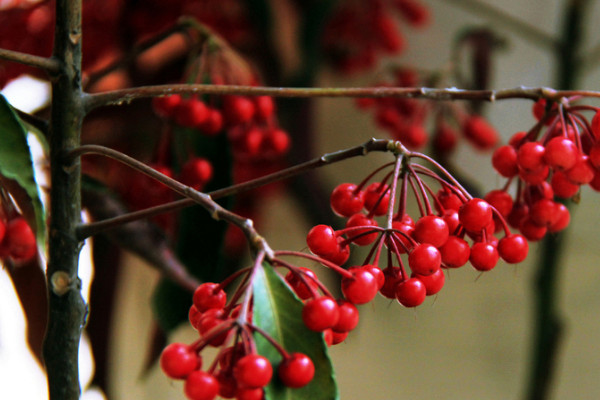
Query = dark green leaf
x=278 y=312
x=16 y=168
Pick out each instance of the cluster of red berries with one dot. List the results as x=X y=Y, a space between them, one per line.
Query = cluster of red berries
x=549 y=162
x=405 y=119
x=17 y=240
x=250 y=122
x=237 y=371
x=360 y=31
x=435 y=241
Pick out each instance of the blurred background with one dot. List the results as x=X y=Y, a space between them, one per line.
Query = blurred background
x=472 y=341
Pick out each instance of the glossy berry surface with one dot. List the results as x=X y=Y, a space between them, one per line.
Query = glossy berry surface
x=320 y=313
x=253 y=371
x=296 y=371
x=411 y=292
x=513 y=248
x=201 y=385
x=361 y=288
x=346 y=199
x=178 y=360
x=209 y=295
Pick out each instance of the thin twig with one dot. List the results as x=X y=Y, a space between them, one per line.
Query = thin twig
x=50 y=65
x=90 y=229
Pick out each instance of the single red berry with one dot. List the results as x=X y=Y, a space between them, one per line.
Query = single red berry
x=196 y=172
x=582 y=172
x=249 y=394
x=296 y=371
x=392 y=276
x=480 y=132
x=431 y=229
x=165 y=106
x=253 y=371
x=361 y=288
x=320 y=313
x=455 y=252
x=201 y=385
x=411 y=292
x=484 y=256
x=401 y=237
x=377 y=198
x=504 y=160
x=238 y=110
x=362 y=237
x=341 y=255
x=213 y=123
x=532 y=231
x=530 y=156
x=191 y=113
x=561 y=153
x=433 y=283
x=562 y=219
x=300 y=288
x=535 y=177
x=475 y=215
x=194 y=316
x=178 y=360
x=264 y=107
x=209 y=295
x=448 y=199
x=562 y=186
x=501 y=201
x=543 y=212
x=322 y=240
x=277 y=141
x=19 y=240
x=513 y=248
x=348 y=317
x=346 y=200
x=424 y=259
x=338 y=337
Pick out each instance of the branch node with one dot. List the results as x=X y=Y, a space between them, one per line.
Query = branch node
x=62 y=282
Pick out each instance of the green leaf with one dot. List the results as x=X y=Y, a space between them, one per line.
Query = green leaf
x=16 y=169
x=278 y=312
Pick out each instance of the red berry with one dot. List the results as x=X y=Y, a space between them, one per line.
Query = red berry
x=543 y=212
x=209 y=295
x=424 y=259
x=433 y=283
x=361 y=288
x=238 y=110
x=431 y=229
x=475 y=215
x=165 y=106
x=530 y=156
x=484 y=256
x=582 y=172
x=347 y=200
x=296 y=371
x=501 y=201
x=201 y=385
x=348 y=317
x=362 y=236
x=411 y=292
x=513 y=248
x=480 y=132
x=455 y=252
x=392 y=278
x=196 y=172
x=191 y=113
x=213 y=123
x=563 y=217
x=178 y=360
x=561 y=153
x=253 y=371
x=377 y=198
x=276 y=140
x=562 y=186
x=320 y=313
x=400 y=238
x=504 y=160
x=249 y=394
x=302 y=290
x=322 y=240
x=532 y=231
x=264 y=107
x=19 y=239
x=377 y=273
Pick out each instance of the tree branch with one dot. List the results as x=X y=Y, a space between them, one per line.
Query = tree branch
x=118 y=97
x=50 y=65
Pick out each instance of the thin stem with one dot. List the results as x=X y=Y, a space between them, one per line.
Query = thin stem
x=217 y=211
x=50 y=65
x=123 y=96
x=516 y=25
x=87 y=230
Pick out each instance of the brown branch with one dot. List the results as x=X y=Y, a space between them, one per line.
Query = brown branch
x=50 y=65
x=118 y=97
x=90 y=229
